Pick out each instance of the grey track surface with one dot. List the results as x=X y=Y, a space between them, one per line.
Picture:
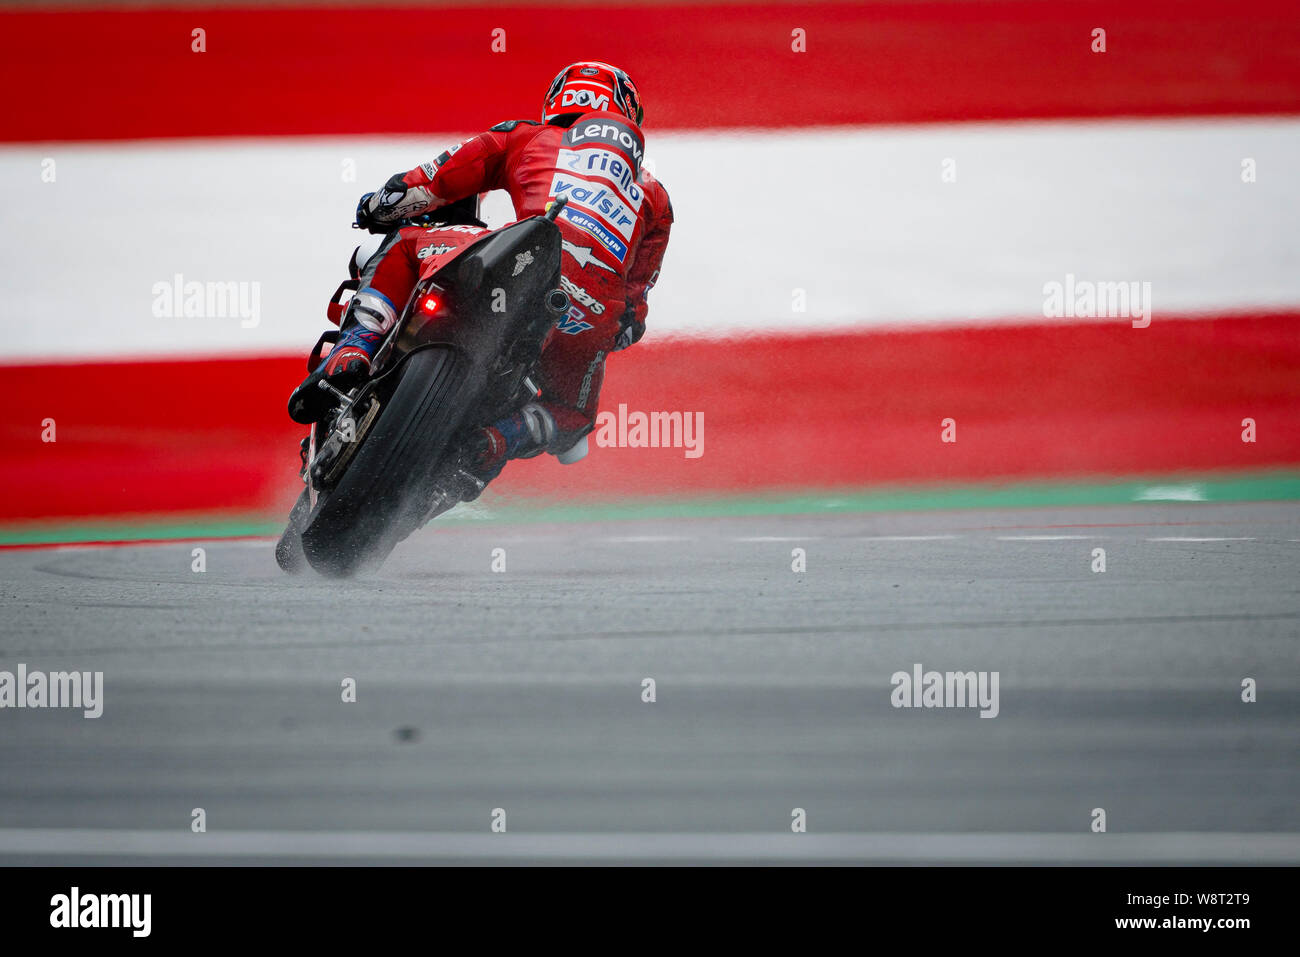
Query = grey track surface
x=522 y=690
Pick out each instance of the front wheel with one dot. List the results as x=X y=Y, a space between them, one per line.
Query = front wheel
x=384 y=494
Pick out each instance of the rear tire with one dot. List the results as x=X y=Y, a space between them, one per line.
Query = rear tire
x=288 y=550
x=384 y=494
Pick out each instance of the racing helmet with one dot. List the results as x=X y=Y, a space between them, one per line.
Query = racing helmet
x=590 y=85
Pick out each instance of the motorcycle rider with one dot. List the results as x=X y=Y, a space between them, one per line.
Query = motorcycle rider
x=588 y=148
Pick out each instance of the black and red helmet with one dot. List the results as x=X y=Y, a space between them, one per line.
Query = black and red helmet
x=590 y=85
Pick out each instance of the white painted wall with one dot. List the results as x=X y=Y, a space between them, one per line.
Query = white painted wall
x=860 y=219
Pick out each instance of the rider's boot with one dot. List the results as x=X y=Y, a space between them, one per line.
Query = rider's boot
x=369 y=316
x=526 y=433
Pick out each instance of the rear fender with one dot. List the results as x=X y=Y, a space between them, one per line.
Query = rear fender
x=491 y=297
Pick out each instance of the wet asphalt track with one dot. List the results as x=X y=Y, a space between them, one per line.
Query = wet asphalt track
x=522 y=690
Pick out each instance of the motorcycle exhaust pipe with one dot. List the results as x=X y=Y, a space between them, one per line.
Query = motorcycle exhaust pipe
x=557 y=302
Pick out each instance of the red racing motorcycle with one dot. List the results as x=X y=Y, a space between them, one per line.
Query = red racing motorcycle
x=391 y=453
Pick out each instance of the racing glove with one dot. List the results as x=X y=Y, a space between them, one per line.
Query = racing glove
x=384 y=210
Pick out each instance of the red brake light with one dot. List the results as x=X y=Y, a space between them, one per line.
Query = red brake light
x=429 y=305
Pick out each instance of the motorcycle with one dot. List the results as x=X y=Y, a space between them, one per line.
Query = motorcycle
x=391 y=454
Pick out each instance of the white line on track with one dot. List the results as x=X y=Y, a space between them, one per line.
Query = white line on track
x=1040 y=848
x=657 y=539
x=1171 y=493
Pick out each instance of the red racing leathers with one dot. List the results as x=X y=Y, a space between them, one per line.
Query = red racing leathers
x=615 y=230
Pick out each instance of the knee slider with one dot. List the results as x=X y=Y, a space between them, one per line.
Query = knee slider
x=372 y=310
